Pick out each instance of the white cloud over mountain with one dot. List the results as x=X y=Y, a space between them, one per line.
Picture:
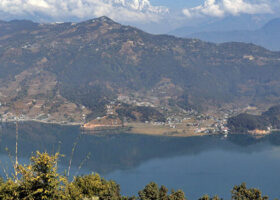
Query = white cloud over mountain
x=220 y=8
x=122 y=10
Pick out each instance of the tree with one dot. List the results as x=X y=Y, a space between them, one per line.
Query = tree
x=150 y=192
x=207 y=197
x=129 y=198
x=40 y=179
x=9 y=190
x=163 y=193
x=93 y=186
x=240 y=192
x=177 y=195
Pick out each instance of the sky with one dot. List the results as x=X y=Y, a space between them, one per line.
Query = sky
x=151 y=15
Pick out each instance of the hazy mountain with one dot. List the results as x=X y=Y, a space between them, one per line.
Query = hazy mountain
x=230 y=23
x=69 y=70
x=267 y=36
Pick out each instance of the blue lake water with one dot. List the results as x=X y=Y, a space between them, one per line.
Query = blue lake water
x=198 y=165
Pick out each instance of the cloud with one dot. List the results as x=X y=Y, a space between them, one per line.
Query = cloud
x=220 y=8
x=122 y=10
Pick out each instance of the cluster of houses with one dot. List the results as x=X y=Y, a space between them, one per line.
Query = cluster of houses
x=217 y=125
x=135 y=101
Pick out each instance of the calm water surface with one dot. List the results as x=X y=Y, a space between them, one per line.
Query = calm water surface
x=198 y=165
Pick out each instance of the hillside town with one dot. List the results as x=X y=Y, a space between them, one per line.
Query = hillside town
x=179 y=122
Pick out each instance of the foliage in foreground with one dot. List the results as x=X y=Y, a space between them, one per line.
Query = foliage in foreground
x=40 y=181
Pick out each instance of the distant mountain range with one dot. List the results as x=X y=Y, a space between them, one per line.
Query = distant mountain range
x=229 y=23
x=71 y=70
x=267 y=36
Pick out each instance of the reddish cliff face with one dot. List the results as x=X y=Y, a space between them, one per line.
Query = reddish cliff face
x=105 y=122
x=259 y=132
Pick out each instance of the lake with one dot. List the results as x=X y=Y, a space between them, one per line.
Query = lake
x=198 y=165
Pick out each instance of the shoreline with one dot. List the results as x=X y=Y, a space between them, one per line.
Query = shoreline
x=135 y=128
x=144 y=129
x=44 y=122
x=130 y=128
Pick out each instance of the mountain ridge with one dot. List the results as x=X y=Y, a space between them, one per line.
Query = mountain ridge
x=67 y=71
x=267 y=36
